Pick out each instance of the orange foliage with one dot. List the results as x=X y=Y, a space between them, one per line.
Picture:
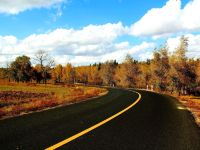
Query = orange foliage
x=16 y=102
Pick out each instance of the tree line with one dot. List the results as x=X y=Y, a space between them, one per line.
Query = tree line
x=164 y=72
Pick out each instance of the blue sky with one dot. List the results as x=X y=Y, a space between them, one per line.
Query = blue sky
x=88 y=31
x=75 y=14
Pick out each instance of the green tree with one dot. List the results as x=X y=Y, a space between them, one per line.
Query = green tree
x=21 y=69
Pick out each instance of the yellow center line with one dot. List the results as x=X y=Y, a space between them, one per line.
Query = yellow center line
x=94 y=126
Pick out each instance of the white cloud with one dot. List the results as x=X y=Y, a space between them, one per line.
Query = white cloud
x=63 y=59
x=17 y=6
x=134 y=50
x=193 y=47
x=119 y=53
x=143 y=46
x=146 y=55
x=93 y=43
x=169 y=19
x=91 y=40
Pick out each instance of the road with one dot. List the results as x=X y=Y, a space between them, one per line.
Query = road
x=156 y=122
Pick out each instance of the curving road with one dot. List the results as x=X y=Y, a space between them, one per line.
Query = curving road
x=156 y=122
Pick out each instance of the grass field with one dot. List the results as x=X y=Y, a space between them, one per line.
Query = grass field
x=16 y=99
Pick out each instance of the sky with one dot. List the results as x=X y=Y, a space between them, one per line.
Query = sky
x=83 y=32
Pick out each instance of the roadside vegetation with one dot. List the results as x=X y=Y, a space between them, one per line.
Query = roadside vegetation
x=192 y=103
x=16 y=99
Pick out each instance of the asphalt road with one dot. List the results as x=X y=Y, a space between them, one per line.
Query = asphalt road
x=156 y=123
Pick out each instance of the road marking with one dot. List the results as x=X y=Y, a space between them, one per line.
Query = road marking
x=94 y=126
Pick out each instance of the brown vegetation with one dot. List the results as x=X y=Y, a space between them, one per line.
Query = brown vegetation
x=20 y=99
x=192 y=103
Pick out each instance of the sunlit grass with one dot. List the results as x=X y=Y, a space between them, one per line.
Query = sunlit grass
x=16 y=99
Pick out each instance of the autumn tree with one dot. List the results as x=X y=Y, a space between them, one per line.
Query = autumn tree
x=121 y=76
x=58 y=73
x=191 y=73
x=45 y=61
x=126 y=74
x=160 y=68
x=133 y=70
x=181 y=73
x=3 y=74
x=198 y=72
x=107 y=72
x=144 y=79
x=82 y=73
x=69 y=73
x=94 y=75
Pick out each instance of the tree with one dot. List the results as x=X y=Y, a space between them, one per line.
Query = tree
x=82 y=74
x=182 y=73
x=93 y=75
x=69 y=73
x=178 y=63
x=107 y=72
x=46 y=62
x=181 y=50
x=21 y=69
x=37 y=73
x=160 y=68
x=58 y=73
x=121 y=76
x=126 y=74
x=144 y=79
x=198 y=72
x=5 y=73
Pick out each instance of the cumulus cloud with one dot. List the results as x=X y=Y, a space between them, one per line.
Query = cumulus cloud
x=93 y=43
x=169 y=19
x=119 y=52
x=17 y=6
x=193 y=47
x=90 y=40
x=133 y=50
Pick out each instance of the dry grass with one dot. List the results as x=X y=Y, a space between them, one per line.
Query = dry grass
x=16 y=99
